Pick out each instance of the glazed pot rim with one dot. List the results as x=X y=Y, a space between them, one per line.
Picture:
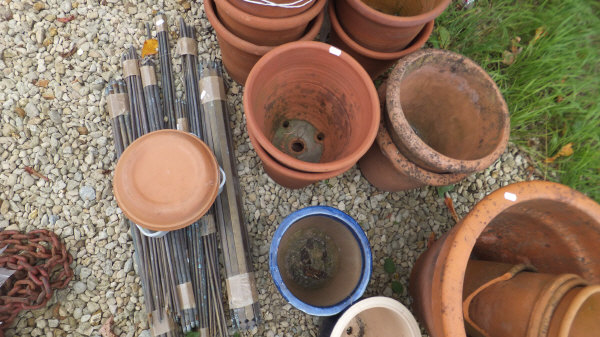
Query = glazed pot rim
x=295 y=174
x=271 y=24
x=361 y=240
x=452 y=260
x=415 y=44
x=184 y=220
x=394 y=20
x=280 y=156
x=377 y=302
x=414 y=144
x=238 y=42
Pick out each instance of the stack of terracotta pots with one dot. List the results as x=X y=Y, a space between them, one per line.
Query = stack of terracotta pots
x=307 y=120
x=248 y=29
x=379 y=32
x=480 y=278
x=443 y=118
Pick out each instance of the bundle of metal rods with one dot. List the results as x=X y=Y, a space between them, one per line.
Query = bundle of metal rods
x=166 y=69
x=151 y=94
x=187 y=47
x=137 y=107
x=241 y=285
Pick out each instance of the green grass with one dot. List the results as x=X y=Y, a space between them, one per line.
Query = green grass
x=552 y=87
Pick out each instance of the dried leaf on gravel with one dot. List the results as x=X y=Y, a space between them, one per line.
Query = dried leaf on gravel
x=33 y=172
x=450 y=204
x=564 y=151
x=66 y=19
x=150 y=47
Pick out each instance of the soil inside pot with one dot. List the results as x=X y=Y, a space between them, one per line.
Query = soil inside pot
x=320 y=260
x=446 y=109
x=402 y=7
x=375 y=322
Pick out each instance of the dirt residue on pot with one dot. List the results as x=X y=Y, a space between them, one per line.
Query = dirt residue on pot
x=398 y=7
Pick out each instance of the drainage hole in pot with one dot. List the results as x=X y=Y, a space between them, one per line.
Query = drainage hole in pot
x=297 y=146
x=320 y=136
x=286 y=124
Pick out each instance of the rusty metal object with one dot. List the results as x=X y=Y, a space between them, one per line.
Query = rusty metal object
x=42 y=264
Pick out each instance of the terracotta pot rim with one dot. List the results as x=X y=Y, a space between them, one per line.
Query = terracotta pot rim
x=394 y=20
x=271 y=24
x=348 y=160
x=447 y=297
x=185 y=219
x=582 y=296
x=384 y=141
x=291 y=172
x=415 y=144
x=242 y=44
x=417 y=43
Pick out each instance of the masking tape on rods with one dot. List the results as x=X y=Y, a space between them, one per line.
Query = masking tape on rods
x=148 y=75
x=160 y=327
x=118 y=104
x=131 y=68
x=207 y=226
x=182 y=124
x=185 y=291
x=186 y=46
x=161 y=23
x=242 y=290
x=211 y=89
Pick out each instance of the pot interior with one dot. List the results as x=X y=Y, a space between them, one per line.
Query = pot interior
x=553 y=236
x=587 y=317
x=452 y=106
x=313 y=111
x=377 y=322
x=403 y=7
x=320 y=260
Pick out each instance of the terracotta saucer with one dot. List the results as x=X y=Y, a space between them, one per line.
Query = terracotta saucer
x=166 y=180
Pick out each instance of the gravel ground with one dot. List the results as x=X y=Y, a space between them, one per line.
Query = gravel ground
x=54 y=119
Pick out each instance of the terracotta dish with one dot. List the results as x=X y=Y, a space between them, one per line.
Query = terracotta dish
x=166 y=180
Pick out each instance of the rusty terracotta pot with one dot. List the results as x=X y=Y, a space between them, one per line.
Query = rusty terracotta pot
x=287 y=177
x=311 y=116
x=578 y=314
x=239 y=56
x=272 y=11
x=445 y=113
x=266 y=31
x=382 y=32
x=374 y=62
x=548 y=225
x=516 y=303
x=388 y=170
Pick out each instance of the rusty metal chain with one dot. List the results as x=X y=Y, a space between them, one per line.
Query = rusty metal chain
x=42 y=264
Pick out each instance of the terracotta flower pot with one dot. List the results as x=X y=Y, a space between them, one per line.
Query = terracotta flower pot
x=265 y=11
x=287 y=177
x=266 y=31
x=374 y=62
x=378 y=31
x=239 y=56
x=445 y=113
x=547 y=225
x=388 y=170
x=311 y=116
x=517 y=303
x=578 y=314
x=320 y=260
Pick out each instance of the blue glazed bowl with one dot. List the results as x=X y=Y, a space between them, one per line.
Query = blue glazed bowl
x=320 y=260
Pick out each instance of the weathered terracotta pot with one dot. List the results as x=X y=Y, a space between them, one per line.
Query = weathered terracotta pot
x=547 y=225
x=516 y=303
x=578 y=314
x=239 y=56
x=378 y=31
x=272 y=11
x=287 y=177
x=374 y=62
x=311 y=116
x=388 y=170
x=266 y=31
x=445 y=113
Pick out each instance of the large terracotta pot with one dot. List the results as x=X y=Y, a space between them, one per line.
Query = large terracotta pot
x=445 y=113
x=388 y=170
x=239 y=56
x=578 y=314
x=254 y=8
x=266 y=31
x=547 y=225
x=382 y=32
x=311 y=116
x=287 y=177
x=374 y=62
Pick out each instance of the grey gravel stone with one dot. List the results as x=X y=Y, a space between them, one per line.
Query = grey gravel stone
x=87 y=193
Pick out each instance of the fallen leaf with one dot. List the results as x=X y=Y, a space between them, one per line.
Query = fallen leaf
x=450 y=205
x=539 y=33
x=397 y=287
x=564 y=151
x=389 y=266
x=443 y=189
x=69 y=53
x=42 y=83
x=444 y=37
x=150 y=47
x=106 y=329
x=48 y=96
x=66 y=19
x=33 y=172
